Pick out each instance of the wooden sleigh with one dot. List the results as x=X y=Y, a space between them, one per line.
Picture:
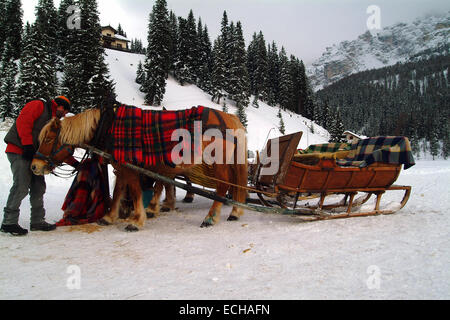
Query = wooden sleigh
x=301 y=180
x=304 y=183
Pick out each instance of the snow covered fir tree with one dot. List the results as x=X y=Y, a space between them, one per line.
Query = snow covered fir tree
x=157 y=62
x=41 y=49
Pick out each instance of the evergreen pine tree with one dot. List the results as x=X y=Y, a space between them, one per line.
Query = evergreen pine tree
x=101 y=86
x=86 y=79
x=204 y=58
x=158 y=56
x=286 y=85
x=251 y=62
x=37 y=77
x=337 y=127
x=173 y=31
x=240 y=113
x=238 y=82
x=187 y=51
x=3 y=27
x=260 y=73
x=25 y=84
x=225 y=106
x=225 y=41
x=46 y=25
x=218 y=71
x=63 y=32
x=281 y=127
x=273 y=75
x=11 y=25
x=140 y=74
x=8 y=70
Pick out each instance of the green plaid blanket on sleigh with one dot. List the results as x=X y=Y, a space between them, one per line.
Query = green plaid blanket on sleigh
x=326 y=147
x=392 y=150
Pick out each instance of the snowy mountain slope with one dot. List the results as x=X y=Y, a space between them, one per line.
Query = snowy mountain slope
x=262 y=121
x=393 y=44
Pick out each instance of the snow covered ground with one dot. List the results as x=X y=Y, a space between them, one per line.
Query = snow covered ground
x=262 y=256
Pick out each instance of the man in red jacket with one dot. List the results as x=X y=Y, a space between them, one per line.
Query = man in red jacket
x=22 y=144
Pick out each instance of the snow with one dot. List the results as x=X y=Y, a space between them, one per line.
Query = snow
x=119 y=37
x=262 y=256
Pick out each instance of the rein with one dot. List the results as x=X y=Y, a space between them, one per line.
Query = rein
x=55 y=150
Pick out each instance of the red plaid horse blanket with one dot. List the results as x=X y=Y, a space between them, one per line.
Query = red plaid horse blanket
x=144 y=137
x=85 y=202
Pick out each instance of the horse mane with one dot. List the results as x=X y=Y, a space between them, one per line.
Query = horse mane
x=77 y=129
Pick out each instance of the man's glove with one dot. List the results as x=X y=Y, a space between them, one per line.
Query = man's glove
x=28 y=152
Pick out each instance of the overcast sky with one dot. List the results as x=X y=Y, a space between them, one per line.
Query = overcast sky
x=304 y=27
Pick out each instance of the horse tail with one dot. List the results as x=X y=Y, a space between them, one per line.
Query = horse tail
x=240 y=166
x=241 y=177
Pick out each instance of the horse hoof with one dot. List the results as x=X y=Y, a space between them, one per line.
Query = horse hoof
x=188 y=200
x=131 y=228
x=165 y=209
x=206 y=225
x=233 y=218
x=103 y=222
x=150 y=215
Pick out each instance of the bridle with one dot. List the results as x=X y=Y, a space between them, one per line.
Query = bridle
x=51 y=163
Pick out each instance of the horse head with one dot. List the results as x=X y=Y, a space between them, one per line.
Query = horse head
x=52 y=152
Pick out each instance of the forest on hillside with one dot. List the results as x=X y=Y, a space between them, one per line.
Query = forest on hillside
x=226 y=68
x=52 y=56
x=408 y=99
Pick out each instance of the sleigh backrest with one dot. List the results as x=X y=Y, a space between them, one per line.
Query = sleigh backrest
x=287 y=146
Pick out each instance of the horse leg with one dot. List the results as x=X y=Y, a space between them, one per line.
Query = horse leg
x=213 y=216
x=189 y=197
x=169 y=201
x=239 y=194
x=154 y=207
x=119 y=191
x=138 y=219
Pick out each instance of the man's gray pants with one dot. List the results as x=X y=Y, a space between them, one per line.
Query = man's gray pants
x=24 y=183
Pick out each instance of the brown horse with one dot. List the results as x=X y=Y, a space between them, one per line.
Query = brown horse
x=80 y=129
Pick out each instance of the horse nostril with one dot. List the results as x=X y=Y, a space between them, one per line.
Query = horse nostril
x=33 y=167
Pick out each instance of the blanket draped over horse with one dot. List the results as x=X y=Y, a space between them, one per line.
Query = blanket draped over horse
x=144 y=137
x=85 y=202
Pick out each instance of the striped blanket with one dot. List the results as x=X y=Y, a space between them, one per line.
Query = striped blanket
x=144 y=137
x=392 y=150
x=85 y=202
x=326 y=147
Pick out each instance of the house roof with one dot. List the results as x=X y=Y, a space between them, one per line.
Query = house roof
x=109 y=27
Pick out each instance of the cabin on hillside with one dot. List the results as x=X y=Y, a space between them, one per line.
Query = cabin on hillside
x=112 y=40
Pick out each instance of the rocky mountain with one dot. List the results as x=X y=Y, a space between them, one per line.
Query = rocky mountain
x=372 y=50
